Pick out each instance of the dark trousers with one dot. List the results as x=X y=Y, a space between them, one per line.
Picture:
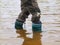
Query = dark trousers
x=29 y=10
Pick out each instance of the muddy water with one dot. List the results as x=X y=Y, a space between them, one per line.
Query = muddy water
x=50 y=18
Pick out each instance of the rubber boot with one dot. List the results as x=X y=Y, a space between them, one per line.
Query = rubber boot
x=18 y=25
x=37 y=27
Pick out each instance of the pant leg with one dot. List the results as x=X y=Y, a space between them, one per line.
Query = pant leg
x=35 y=18
x=23 y=15
x=35 y=14
x=36 y=23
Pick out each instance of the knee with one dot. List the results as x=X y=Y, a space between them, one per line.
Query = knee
x=36 y=17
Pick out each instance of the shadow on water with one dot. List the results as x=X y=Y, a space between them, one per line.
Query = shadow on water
x=36 y=40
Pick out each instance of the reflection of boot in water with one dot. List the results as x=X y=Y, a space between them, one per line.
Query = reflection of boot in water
x=22 y=33
x=36 y=40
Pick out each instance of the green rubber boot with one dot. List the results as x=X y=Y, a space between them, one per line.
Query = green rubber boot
x=18 y=25
x=37 y=27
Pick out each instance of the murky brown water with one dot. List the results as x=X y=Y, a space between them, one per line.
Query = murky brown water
x=50 y=17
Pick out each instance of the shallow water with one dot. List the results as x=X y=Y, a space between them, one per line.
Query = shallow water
x=50 y=19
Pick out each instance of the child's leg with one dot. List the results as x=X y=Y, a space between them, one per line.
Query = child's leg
x=36 y=23
x=36 y=18
x=21 y=19
x=23 y=15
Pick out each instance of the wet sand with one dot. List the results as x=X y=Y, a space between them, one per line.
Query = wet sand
x=50 y=18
